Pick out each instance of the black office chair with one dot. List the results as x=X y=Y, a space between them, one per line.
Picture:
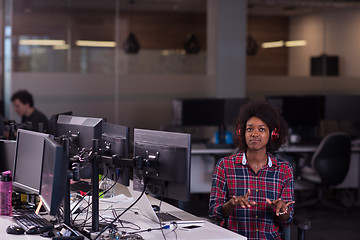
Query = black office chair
x=329 y=167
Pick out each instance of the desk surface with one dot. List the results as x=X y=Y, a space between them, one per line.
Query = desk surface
x=298 y=148
x=229 y=151
x=221 y=151
x=289 y=148
x=208 y=231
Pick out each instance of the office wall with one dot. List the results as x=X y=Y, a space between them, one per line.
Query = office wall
x=259 y=87
x=333 y=32
x=271 y=61
x=144 y=100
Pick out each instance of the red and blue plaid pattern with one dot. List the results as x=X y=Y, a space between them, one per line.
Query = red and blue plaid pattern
x=233 y=176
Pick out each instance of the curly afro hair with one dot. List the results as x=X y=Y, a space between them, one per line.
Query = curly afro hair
x=269 y=115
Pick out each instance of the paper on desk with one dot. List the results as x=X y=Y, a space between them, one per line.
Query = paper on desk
x=121 y=198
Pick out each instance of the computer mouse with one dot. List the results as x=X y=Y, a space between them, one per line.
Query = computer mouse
x=34 y=230
x=14 y=229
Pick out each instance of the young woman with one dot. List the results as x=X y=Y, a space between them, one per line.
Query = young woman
x=252 y=191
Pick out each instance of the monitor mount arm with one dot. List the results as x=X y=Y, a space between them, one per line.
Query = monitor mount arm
x=97 y=156
x=73 y=173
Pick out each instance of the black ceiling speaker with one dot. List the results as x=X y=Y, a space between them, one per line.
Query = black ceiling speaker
x=192 y=44
x=252 y=47
x=131 y=44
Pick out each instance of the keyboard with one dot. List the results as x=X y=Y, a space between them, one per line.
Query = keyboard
x=166 y=217
x=33 y=223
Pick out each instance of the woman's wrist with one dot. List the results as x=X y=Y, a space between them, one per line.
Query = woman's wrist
x=227 y=208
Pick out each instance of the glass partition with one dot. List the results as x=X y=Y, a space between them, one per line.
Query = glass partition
x=82 y=36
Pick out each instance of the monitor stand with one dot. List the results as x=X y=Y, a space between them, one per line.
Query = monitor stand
x=29 y=205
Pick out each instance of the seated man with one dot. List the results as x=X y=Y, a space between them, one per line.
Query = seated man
x=24 y=106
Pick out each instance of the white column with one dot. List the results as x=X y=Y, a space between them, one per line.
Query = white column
x=7 y=67
x=226 y=46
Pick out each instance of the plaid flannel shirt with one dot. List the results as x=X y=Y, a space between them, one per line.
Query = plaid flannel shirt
x=233 y=177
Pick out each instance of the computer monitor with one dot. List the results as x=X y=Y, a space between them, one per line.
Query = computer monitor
x=81 y=131
x=303 y=114
x=198 y=112
x=220 y=112
x=342 y=107
x=232 y=109
x=300 y=110
x=116 y=140
x=28 y=161
x=166 y=163
x=52 y=125
x=7 y=155
x=54 y=175
x=2 y=127
x=206 y=111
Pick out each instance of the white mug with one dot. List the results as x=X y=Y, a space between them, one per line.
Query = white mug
x=295 y=138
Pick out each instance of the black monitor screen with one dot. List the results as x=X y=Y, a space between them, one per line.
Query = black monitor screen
x=7 y=155
x=198 y=112
x=232 y=109
x=206 y=111
x=28 y=161
x=169 y=172
x=300 y=110
x=54 y=175
x=341 y=107
x=2 y=127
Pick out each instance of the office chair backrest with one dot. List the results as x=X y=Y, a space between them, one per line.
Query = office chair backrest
x=332 y=158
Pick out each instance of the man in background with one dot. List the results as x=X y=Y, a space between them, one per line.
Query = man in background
x=23 y=103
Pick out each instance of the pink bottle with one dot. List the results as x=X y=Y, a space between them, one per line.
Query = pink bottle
x=5 y=193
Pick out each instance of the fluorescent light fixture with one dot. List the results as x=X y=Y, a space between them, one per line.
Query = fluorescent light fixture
x=88 y=43
x=295 y=43
x=273 y=44
x=41 y=42
x=167 y=52
x=61 y=47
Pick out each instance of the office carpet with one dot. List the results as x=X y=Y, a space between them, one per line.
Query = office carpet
x=329 y=224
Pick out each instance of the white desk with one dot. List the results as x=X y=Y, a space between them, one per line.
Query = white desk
x=207 y=232
x=298 y=148
x=213 y=151
x=5 y=221
x=308 y=148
